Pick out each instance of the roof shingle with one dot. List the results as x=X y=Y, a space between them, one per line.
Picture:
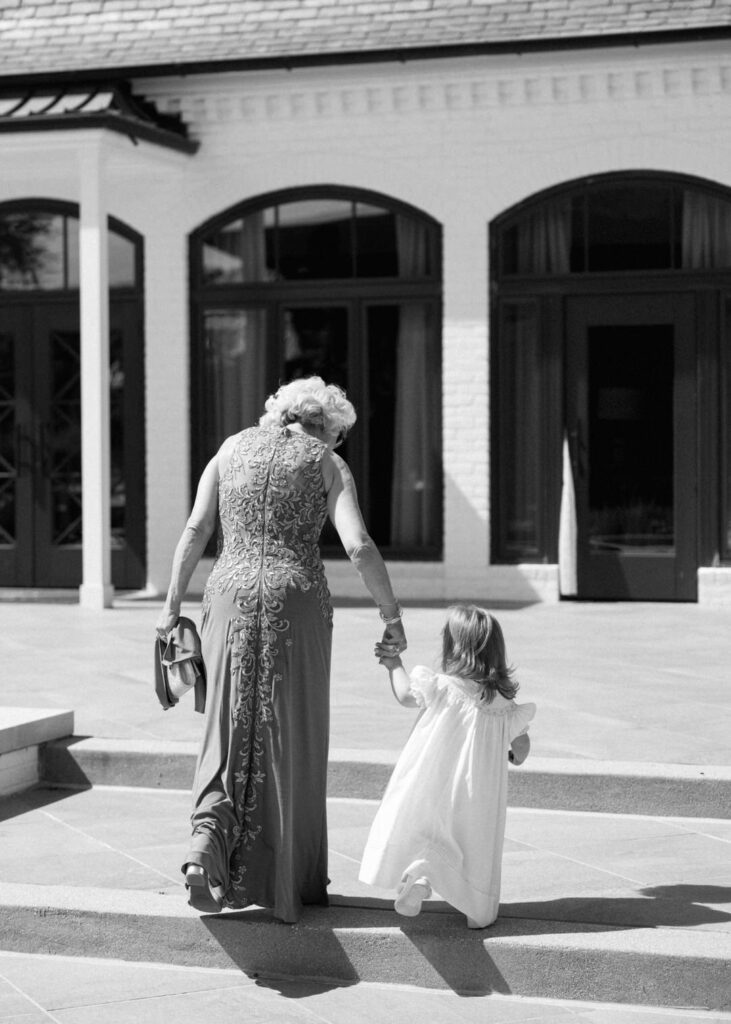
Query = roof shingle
x=43 y=37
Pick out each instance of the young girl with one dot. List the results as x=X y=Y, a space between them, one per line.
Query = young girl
x=441 y=823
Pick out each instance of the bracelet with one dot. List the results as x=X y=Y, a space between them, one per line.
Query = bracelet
x=389 y=621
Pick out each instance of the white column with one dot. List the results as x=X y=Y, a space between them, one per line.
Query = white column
x=96 y=589
x=166 y=381
x=465 y=404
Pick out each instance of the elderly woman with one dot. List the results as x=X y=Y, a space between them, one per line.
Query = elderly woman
x=259 y=820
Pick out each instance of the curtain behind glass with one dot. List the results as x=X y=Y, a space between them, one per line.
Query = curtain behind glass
x=236 y=253
x=414 y=503
x=706 y=240
x=234 y=368
x=519 y=468
x=544 y=240
x=567 y=528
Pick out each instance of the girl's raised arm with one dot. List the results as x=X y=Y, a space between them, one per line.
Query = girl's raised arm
x=400 y=682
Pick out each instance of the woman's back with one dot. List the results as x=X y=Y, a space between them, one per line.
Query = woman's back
x=272 y=507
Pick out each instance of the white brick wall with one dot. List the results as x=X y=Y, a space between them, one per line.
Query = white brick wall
x=461 y=140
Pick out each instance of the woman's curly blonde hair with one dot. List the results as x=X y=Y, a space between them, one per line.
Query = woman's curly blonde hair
x=311 y=402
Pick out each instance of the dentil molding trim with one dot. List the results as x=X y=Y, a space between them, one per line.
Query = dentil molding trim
x=216 y=103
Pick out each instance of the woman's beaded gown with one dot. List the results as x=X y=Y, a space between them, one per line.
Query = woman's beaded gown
x=259 y=818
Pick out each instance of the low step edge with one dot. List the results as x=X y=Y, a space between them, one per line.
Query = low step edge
x=622 y=788
x=541 y=959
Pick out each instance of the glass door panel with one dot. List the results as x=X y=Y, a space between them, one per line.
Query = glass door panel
x=40 y=449
x=127 y=444
x=57 y=447
x=117 y=439
x=404 y=485
x=16 y=492
x=518 y=476
x=726 y=434
x=631 y=443
x=234 y=372
x=314 y=341
x=9 y=438
x=631 y=418
x=233 y=379
x=59 y=437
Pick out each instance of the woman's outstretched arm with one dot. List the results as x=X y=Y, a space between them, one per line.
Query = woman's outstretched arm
x=346 y=516
x=198 y=531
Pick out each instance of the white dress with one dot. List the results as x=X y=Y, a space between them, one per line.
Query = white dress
x=443 y=813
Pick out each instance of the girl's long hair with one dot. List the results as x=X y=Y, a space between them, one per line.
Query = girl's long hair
x=473 y=647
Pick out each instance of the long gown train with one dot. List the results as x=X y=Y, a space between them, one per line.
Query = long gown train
x=259 y=813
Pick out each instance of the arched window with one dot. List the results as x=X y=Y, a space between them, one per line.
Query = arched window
x=582 y=362
x=39 y=250
x=345 y=285
x=617 y=226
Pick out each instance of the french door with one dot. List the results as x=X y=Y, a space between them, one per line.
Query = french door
x=40 y=446
x=384 y=352
x=631 y=419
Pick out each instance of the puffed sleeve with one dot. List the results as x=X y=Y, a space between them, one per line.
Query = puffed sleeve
x=423 y=685
x=521 y=715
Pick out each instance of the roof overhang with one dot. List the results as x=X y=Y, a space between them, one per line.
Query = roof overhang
x=110 y=106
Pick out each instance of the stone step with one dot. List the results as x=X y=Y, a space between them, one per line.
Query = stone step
x=572 y=784
x=662 y=967
x=596 y=907
x=23 y=731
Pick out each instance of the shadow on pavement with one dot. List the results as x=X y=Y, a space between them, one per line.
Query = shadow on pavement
x=298 y=988
x=460 y=960
x=662 y=906
x=33 y=800
x=285 y=957
x=291 y=958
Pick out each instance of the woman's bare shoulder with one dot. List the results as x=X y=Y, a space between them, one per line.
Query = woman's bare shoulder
x=229 y=444
x=228 y=447
x=333 y=468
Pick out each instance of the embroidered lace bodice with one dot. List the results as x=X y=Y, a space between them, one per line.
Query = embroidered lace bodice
x=272 y=507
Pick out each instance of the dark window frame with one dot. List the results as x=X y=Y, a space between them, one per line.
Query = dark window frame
x=713 y=369
x=127 y=304
x=355 y=293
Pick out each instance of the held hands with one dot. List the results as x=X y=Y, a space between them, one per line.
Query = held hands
x=392 y=643
x=387 y=657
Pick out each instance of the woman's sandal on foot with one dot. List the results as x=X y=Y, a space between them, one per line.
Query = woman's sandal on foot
x=202 y=896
